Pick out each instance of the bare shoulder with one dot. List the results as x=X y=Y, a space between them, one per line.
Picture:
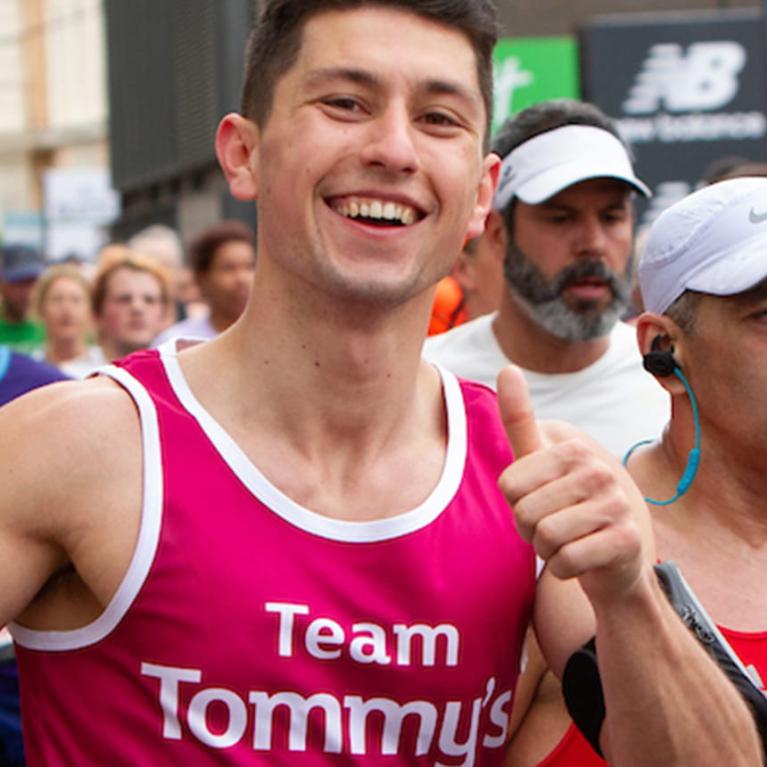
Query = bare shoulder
x=61 y=442
x=70 y=469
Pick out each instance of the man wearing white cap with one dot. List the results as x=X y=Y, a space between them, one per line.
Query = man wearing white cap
x=562 y=226
x=703 y=277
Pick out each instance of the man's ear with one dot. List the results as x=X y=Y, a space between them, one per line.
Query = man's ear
x=490 y=173
x=236 y=141
x=650 y=326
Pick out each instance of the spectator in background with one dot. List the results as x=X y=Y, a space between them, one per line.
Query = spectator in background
x=111 y=251
x=447 y=309
x=473 y=289
x=223 y=260
x=20 y=267
x=130 y=298
x=163 y=245
x=563 y=220
x=479 y=271
x=63 y=303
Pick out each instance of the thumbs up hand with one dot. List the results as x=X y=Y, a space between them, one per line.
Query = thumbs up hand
x=571 y=499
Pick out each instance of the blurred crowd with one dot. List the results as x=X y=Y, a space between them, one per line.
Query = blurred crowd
x=76 y=316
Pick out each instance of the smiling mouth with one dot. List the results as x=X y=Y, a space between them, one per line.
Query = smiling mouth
x=376 y=212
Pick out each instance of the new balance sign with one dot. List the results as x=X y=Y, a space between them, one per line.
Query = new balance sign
x=704 y=77
x=685 y=90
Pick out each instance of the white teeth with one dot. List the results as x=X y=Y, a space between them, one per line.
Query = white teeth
x=377 y=210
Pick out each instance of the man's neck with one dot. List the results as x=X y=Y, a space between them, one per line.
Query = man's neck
x=220 y=321
x=531 y=347
x=329 y=406
x=717 y=530
x=729 y=487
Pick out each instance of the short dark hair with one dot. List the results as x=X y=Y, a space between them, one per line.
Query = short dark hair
x=202 y=248
x=542 y=118
x=275 y=41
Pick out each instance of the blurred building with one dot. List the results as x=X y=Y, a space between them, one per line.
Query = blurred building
x=53 y=114
x=175 y=66
x=565 y=17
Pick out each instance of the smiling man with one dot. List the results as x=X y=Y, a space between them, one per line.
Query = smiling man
x=287 y=545
x=562 y=228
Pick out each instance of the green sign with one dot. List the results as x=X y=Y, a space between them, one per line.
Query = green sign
x=533 y=69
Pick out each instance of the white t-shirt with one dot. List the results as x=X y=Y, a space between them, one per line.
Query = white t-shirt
x=80 y=367
x=614 y=400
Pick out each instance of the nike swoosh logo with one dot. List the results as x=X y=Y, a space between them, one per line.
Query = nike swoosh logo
x=757 y=218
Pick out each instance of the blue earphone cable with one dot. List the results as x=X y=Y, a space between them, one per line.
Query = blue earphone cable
x=693 y=459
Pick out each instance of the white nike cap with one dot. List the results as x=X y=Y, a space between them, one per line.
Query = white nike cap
x=546 y=164
x=712 y=241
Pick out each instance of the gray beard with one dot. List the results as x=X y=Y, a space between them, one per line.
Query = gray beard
x=541 y=299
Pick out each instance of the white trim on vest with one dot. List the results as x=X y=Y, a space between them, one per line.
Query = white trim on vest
x=146 y=545
x=310 y=521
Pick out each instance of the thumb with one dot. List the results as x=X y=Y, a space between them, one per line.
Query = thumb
x=517 y=412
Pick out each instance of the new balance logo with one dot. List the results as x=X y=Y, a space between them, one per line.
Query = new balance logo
x=703 y=78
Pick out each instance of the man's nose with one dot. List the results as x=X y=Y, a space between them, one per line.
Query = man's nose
x=391 y=141
x=591 y=237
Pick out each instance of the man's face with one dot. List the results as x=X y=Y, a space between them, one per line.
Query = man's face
x=370 y=168
x=133 y=312
x=227 y=283
x=723 y=358
x=569 y=260
x=17 y=298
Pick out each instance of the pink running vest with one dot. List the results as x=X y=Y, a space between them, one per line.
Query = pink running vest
x=251 y=631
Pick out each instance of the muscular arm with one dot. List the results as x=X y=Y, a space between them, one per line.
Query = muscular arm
x=666 y=701
x=70 y=477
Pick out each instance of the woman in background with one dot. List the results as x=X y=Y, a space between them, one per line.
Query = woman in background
x=64 y=307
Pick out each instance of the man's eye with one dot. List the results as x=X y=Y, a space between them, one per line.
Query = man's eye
x=343 y=103
x=441 y=119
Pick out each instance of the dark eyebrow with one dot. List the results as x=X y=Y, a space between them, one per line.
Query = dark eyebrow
x=351 y=74
x=448 y=88
x=560 y=206
x=368 y=79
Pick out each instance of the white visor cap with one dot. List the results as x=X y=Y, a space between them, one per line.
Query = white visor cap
x=550 y=162
x=712 y=241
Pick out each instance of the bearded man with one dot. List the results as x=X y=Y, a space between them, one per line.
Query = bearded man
x=562 y=225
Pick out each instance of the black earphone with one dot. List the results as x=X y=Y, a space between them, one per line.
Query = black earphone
x=658 y=362
x=662 y=364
